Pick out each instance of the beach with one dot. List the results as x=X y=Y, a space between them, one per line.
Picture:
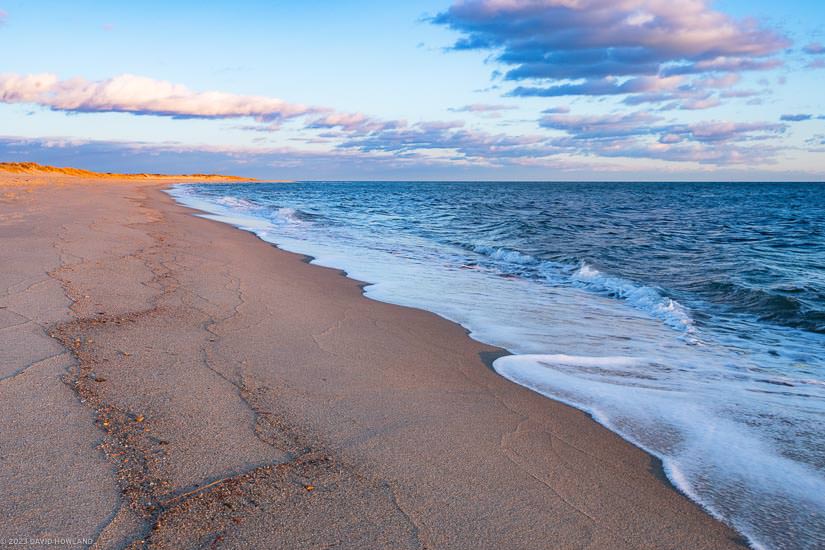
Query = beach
x=170 y=381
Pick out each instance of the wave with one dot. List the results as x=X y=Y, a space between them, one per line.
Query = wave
x=236 y=203
x=506 y=255
x=288 y=215
x=790 y=306
x=643 y=298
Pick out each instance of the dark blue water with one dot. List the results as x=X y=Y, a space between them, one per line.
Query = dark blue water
x=690 y=318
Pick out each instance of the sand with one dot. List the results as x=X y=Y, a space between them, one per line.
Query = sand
x=172 y=382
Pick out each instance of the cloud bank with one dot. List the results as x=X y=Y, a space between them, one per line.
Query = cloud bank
x=359 y=138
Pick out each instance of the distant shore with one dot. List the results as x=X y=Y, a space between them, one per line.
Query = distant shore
x=206 y=388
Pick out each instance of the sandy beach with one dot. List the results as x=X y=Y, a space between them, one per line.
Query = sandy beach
x=168 y=381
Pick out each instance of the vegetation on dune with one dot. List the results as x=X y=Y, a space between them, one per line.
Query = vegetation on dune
x=35 y=168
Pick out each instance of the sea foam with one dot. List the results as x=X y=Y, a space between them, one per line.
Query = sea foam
x=639 y=296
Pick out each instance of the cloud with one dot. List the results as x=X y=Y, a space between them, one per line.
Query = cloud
x=691 y=152
x=604 y=86
x=559 y=109
x=3 y=17
x=141 y=96
x=814 y=48
x=815 y=141
x=354 y=123
x=703 y=92
x=739 y=93
x=796 y=118
x=482 y=108
x=714 y=131
x=722 y=64
x=454 y=139
x=601 y=126
x=646 y=135
x=642 y=123
x=698 y=94
x=608 y=47
x=698 y=103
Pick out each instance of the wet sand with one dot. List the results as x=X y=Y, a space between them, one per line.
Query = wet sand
x=169 y=381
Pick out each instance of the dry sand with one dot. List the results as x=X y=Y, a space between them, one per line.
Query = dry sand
x=173 y=382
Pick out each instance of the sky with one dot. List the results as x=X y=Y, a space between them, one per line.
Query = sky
x=453 y=90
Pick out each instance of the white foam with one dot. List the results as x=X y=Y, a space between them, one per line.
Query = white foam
x=289 y=215
x=641 y=297
x=235 y=203
x=506 y=255
x=577 y=360
x=716 y=460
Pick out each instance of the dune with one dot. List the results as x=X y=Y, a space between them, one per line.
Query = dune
x=33 y=168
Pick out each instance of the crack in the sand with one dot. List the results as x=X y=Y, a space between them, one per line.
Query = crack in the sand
x=32 y=366
x=128 y=443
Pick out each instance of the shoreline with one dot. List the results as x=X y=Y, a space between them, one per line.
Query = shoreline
x=658 y=465
x=389 y=407
x=487 y=358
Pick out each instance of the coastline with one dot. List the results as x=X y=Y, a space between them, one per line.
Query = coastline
x=488 y=358
x=222 y=370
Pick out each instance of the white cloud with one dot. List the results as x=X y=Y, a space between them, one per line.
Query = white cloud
x=142 y=96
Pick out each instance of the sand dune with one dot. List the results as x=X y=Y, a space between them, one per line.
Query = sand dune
x=33 y=168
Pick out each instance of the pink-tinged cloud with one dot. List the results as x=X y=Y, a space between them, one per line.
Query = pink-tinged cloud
x=591 y=42
x=141 y=96
x=699 y=103
x=646 y=124
x=483 y=108
x=715 y=131
x=700 y=93
x=602 y=126
x=644 y=135
x=354 y=123
x=723 y=64
x=725 y=81
x=814 y=48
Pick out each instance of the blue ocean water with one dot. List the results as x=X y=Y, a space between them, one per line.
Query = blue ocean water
x=687 y=317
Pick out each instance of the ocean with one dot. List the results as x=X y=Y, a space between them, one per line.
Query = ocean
x=689 y=318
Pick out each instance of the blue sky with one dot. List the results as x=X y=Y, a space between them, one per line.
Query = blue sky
x=531 y=89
